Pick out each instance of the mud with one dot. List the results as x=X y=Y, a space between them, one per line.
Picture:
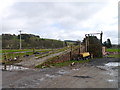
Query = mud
x=98 y=73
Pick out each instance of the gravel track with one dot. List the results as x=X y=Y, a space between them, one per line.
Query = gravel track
x=31 y=62
x=87 y=75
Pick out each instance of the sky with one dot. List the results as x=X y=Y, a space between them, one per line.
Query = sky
x=61 y=20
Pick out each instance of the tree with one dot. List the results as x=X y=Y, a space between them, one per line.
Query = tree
x=107 y=43
x=28 y=41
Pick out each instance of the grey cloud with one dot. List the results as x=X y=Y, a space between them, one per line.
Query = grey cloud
x=112 y=33
x=49 y=19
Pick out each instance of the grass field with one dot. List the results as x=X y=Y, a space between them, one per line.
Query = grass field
x=15 y=50
x=115 y=56
x=12 y=53
x=113 y=50
x=53 y=52
x=22 y=50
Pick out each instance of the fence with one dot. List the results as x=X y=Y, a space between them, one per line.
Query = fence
x=69 y=55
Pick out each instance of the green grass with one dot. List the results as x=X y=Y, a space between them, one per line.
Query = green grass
x=54 y=51
x=115 y=56
x=12 y=56
x=113 y=50
x=15 y=50
x=12 y=53
x=21 y=50
x=66 y=63
x=0 y=51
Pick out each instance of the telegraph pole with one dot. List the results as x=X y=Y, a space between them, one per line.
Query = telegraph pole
x=20 y=39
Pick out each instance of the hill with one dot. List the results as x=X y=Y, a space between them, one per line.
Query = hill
x=10 y=41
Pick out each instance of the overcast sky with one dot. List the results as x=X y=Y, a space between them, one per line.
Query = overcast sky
x=61 y=20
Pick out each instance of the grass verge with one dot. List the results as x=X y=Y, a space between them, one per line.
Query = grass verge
x=114 y=56
x=112 y=50
x=65 y=63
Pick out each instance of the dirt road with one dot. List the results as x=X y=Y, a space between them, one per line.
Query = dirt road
x=99 y=73
x=32 y=62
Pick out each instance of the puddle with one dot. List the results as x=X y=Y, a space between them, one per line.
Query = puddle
x=109 y=66
x=113 y=64
x=110 y=80
x=13 y=68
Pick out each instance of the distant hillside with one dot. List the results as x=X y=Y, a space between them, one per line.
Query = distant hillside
x=29 y=41
x=70 y=42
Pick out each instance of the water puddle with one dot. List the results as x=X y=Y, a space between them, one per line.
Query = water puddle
x=13 y=68
x=109 y=66
x=110 y=80
x=113 y=64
